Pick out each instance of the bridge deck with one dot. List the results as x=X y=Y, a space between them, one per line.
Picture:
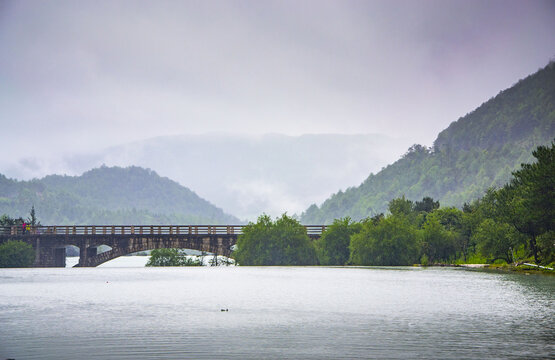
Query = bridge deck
x=137 y=230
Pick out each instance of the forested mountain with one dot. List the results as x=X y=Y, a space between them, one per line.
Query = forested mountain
x=245 y=174
x=108 y=195
x=478 y=151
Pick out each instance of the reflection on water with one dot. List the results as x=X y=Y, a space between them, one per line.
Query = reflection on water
x=287 y=312
x=122 y=261
x=136 y=261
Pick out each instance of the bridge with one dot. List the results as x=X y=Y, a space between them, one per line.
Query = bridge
x=50 y=242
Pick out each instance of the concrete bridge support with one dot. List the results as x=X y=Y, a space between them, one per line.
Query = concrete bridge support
x=47 y=253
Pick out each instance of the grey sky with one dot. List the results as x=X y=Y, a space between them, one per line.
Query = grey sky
x=76 y=76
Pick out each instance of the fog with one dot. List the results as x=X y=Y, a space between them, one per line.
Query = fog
x=80 y=77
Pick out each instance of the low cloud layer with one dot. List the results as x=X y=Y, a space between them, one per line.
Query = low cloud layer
x=77 y=77
x=83 y=75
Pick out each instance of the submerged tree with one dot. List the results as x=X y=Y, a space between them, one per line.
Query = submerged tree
x=171 y=257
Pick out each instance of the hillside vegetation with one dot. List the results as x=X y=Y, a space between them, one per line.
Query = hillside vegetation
x=108 y=195
x=478 y=151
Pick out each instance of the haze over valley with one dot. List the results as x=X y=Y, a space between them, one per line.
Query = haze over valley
x=254 y=106
x=245 y=175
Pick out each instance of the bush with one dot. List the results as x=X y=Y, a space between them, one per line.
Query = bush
x=16 y=254
x=170 y=257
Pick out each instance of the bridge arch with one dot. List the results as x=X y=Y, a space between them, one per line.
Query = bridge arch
x=219 y=245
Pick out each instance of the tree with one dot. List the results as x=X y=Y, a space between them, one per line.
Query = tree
x=333 y=247
x=546 y=242
x=15 y=254
x=170 y=257
x=401 y=206
x=532 y=192
x=537 y=182
x=283 y=242
x=437 y=242
x=32 y=219
x=426 y=205
x=393 y=241
x=5 y=220
x=376 y=218
x=497 y=240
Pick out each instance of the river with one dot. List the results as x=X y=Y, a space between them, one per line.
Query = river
x=274 y=313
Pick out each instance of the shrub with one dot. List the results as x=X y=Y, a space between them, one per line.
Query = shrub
x=16 y=254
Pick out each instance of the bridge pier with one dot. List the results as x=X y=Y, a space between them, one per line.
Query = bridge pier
x=86 y=252
x=49 y=256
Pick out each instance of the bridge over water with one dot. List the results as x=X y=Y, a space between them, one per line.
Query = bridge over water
x=50 y=242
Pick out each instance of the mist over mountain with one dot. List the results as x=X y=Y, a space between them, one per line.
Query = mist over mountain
x=108 y=195
x=245 y=175
x=478 y=151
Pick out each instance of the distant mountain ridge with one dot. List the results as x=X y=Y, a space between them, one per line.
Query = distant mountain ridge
x=477 y=151
x=109 y=195
x=253 y=174
x=245 y=174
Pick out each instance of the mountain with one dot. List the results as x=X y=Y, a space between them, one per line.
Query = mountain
x=477 y=151
x=109 y=195
x=244 y=174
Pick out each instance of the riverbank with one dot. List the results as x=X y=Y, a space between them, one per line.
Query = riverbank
x=520 y=268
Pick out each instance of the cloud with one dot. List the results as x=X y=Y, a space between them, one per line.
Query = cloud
x=77 y=77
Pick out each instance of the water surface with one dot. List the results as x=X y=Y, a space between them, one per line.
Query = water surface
x=274 y=313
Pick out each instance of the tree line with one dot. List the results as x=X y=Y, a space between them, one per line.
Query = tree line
x=510 y=224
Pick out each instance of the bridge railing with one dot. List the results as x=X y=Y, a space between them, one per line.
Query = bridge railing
x=137 y=230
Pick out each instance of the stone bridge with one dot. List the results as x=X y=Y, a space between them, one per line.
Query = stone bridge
x=50 y=242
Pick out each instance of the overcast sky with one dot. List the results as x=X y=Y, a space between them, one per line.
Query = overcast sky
x=80 y=75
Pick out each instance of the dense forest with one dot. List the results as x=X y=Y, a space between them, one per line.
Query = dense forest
x=478 y=151
x=108 y=195
x=513 y=224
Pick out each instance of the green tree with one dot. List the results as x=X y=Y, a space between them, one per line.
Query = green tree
x=426 y=205
x=532 y=197
x=401 y=206
x=170 y=257
x=437 y=242
x=333 y=247
x=5 y=220
x=15 y=254
x=497 y=240
x=32 y=219
x=393 y=241
x=280 y=242
x=546 y=242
